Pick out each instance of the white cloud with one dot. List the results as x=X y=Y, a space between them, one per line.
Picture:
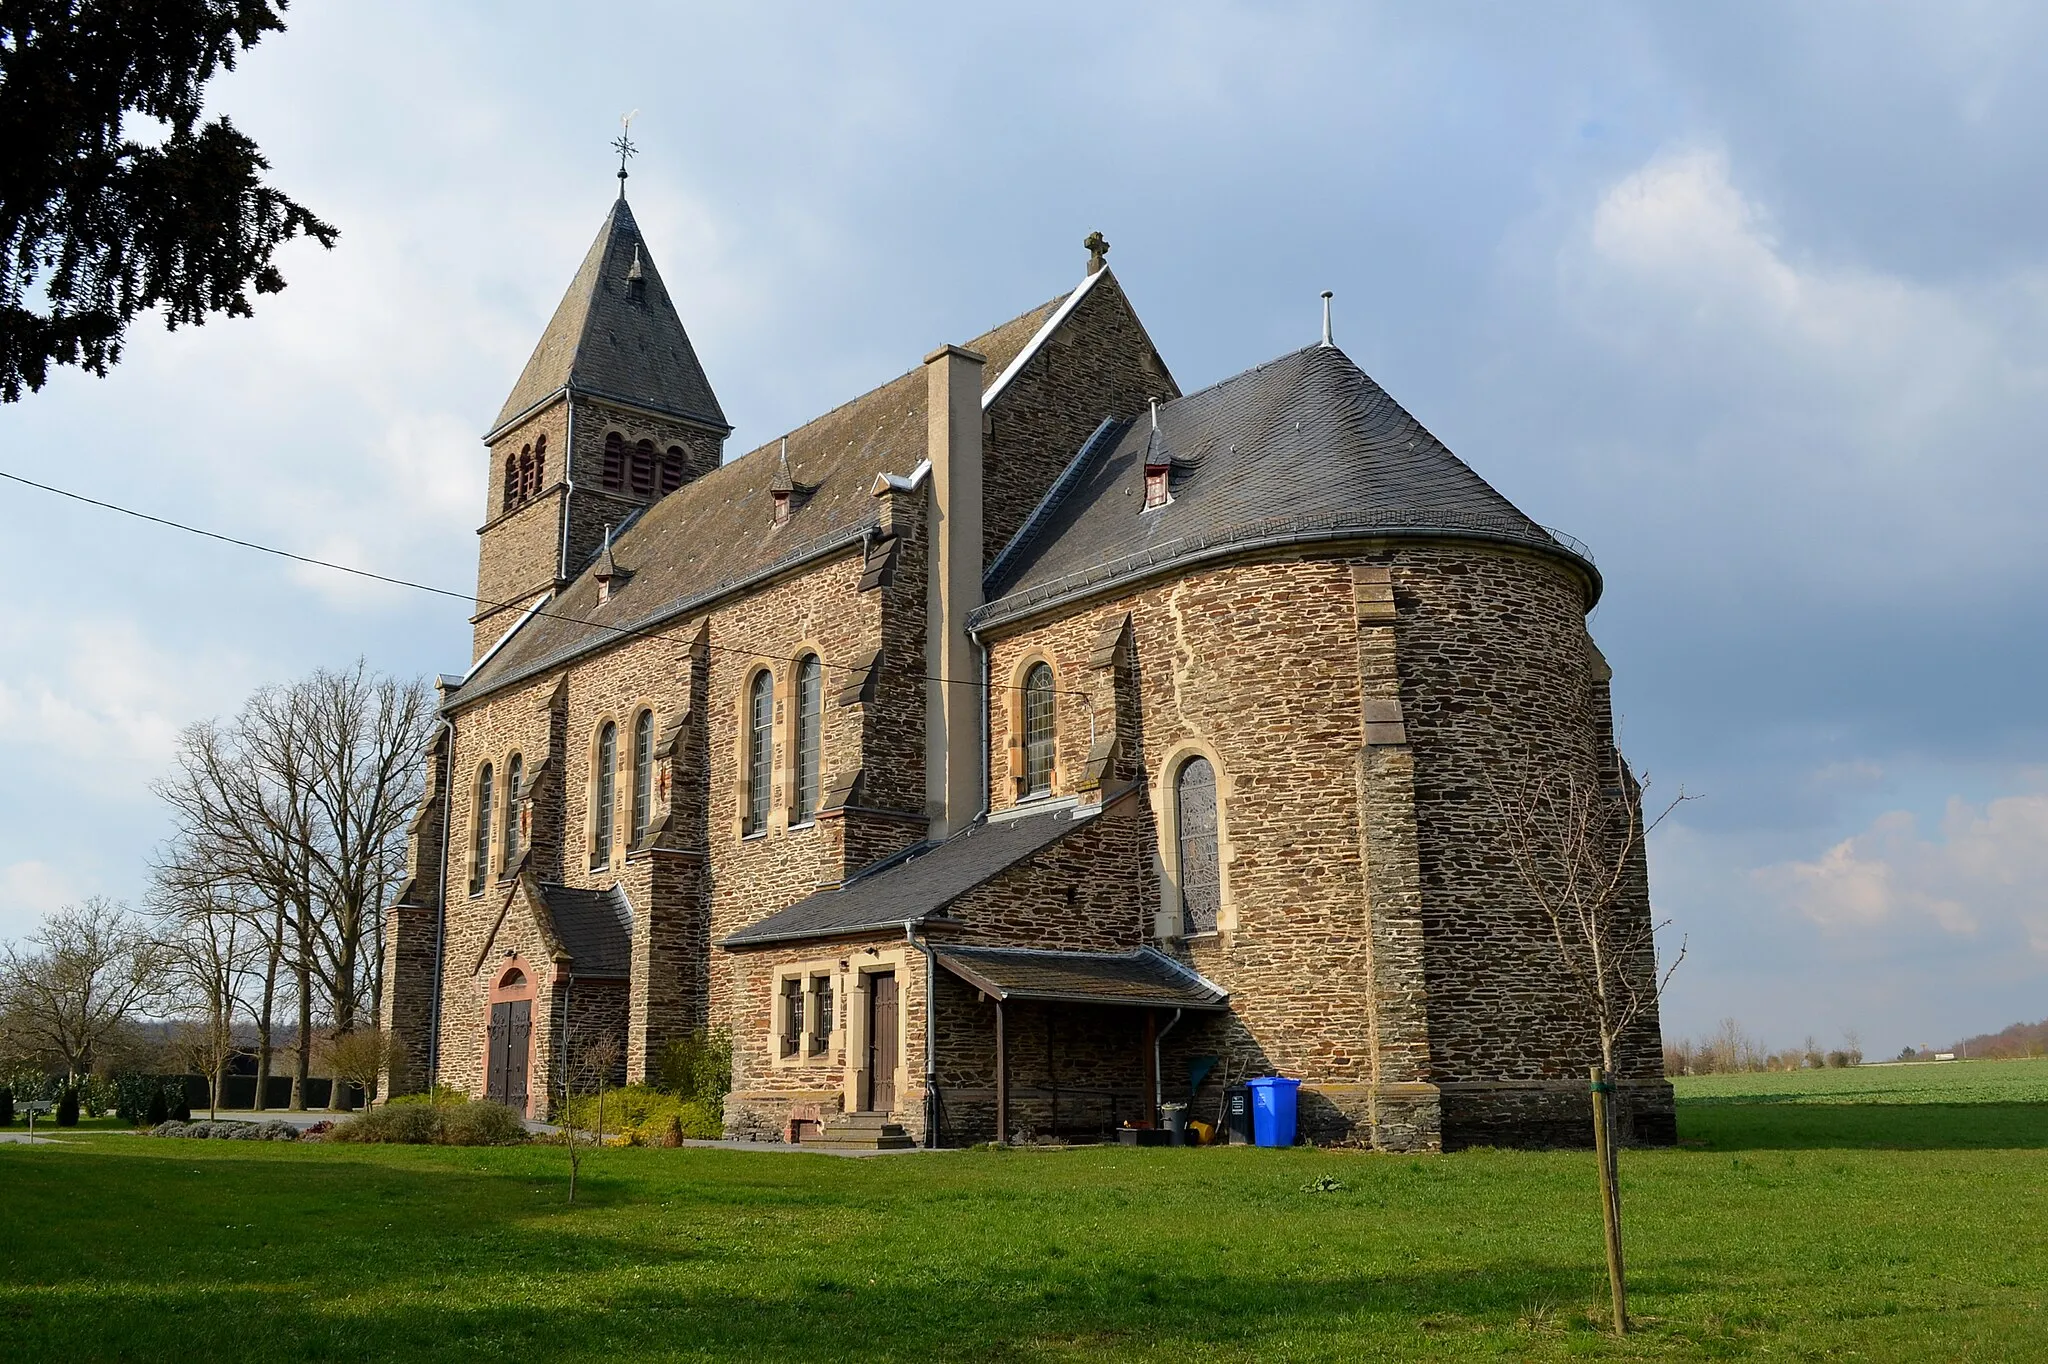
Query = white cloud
x=1985 y=875
x=33 y=888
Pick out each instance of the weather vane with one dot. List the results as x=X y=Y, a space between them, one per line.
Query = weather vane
x=623 y=145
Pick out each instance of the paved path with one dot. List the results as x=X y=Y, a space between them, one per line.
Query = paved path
x=24 y=1139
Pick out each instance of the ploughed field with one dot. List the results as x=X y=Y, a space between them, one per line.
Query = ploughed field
x=1886 y=1213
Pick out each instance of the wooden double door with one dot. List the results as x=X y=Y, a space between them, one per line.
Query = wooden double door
x=511 y=1043
x=884 y=1046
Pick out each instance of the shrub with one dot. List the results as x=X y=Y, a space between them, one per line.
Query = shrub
x=440 y=1097
x=159 y=1110
x=481 y=1124
x=228 y=1131
x=410 y=1123
x=646 y=1116
x=6 y=1105
x=423 y=1124
x=67 y=1108
x=181 y=1106
x=696 y=1067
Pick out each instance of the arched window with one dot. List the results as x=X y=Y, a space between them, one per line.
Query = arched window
x=643 y=775
x=672 y=469
x=1038 y=730
x=515 y=770
x=603 y=790
x=526 y=473
x=1194 y=806
x=480 y=865
x=810 y=703
x=614 y=461
x=643 y=468
x=540 y=464
x=760 y=749
x=511 y=481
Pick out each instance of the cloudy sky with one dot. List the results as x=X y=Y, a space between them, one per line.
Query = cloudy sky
x=1752 y=298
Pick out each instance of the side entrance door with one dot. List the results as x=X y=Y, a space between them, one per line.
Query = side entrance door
x=882 y=1048
x=510 y=1042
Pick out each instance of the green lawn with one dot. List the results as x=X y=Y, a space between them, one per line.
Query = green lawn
x=1786 y=1228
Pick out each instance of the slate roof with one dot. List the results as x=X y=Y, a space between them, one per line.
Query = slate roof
x=917 y=884
x=1145 y=977
x=1302 y=447
x=605 y=343
x=717 y=532
x=595 y=926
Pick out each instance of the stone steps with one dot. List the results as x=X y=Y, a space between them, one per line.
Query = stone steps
x=860 y=1132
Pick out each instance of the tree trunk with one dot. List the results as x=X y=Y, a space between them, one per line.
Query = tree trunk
x=302 y=1060
x=1610 y=1193
x=265 y=1016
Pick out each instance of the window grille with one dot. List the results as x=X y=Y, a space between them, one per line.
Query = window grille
x=603 y=790
x=514 y=771
x=810 y=699
x=480 y=866
x=1200 y=866
x=760 y=749
x=643 y=775
x=821 y=991
x=1038 y=730
x=792 y=1020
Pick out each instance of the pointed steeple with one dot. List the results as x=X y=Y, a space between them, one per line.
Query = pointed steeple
x=615 y=335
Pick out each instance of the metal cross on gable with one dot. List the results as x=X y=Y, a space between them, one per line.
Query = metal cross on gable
x=623 y=145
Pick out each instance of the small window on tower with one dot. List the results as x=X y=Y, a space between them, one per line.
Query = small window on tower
x=614 y=461
x=643 y=468
x=511 y=482
x=540 y=465
x=672 y=469
x=1156 y=486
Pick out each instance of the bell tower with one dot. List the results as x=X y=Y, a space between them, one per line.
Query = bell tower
x=611 y=412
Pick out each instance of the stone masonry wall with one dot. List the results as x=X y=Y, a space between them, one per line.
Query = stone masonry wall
x=1100 y=363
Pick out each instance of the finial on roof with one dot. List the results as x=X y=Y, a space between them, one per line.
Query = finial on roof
x=623 y=145
x=610 y=577
x=1098 y=251
x=783 y=483
x=1155 y=414
x=1326 y=318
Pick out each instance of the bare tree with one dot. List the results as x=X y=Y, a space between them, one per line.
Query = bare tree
x=361 y=1056
x=1575 y=836
x=591 y=1057
x=212 y=952
x=80 y=981
x=302 y=800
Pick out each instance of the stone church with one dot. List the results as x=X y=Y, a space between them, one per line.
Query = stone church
x=1016 y=748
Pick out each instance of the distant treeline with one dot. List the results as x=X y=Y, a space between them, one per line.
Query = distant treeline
x=1730 y=1049
x=2019 y=1040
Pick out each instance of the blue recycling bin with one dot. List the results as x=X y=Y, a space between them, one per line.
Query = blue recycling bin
x=1273 y=1110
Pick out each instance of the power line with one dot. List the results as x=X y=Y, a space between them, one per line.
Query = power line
x=622 y=630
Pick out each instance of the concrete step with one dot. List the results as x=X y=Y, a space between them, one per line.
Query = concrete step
x=896 y=1141
x=861 y=1132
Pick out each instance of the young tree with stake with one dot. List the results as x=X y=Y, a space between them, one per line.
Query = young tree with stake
x=1576 y=837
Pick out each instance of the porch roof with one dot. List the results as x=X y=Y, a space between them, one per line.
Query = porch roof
x=594 y=926
x=918 y=883
x=1146 y=978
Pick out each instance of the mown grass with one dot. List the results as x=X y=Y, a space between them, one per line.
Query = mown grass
x=1782 y=1228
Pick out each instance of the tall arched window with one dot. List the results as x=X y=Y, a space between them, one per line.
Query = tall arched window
x=760 y=749
x=643 y=468
x=1038 y=730
x=540 y=464
x=810 y=703
x=672 y=469
x=614 y=460
x=1201 y=885
x=603 y=792
x=515 y=771
x=511 y=481
x=480 y=864
x=643 y=775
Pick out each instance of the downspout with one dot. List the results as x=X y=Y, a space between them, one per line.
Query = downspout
x=441 y=909
x=568 y=480
x=1158 y=1039
x=931 y=1019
